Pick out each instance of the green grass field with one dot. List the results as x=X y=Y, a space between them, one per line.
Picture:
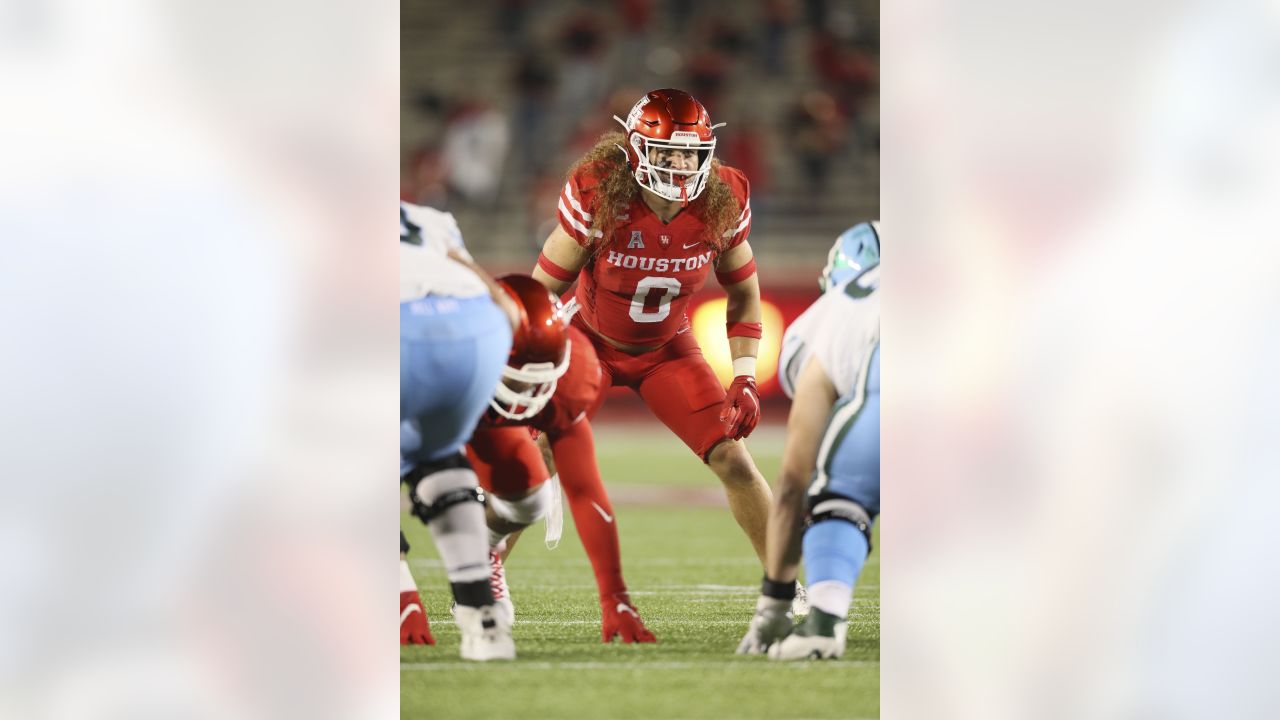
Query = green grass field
x=693 y=577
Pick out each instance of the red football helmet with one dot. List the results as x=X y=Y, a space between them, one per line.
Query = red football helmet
x=673 y=119
x=539 y=350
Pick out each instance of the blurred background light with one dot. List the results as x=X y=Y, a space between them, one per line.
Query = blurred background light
x=707 y=320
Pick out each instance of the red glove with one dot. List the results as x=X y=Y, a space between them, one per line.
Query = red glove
x=741 y=409
x=414 y=627
x=618 y=618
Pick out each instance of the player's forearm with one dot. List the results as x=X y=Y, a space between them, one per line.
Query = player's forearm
x=743 y=302
x=593 y=515
x=742 y=323
x=806 y=426
x=740 y=347
x=782 y=559
x=559 y=287
x=574 y=452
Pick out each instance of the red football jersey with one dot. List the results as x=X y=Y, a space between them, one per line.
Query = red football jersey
x=576 y=392
x=636 y=289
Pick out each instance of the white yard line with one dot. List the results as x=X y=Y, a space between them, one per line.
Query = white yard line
x=547 y=564
x=657 y=623
x=664 y=589
x=664 y=665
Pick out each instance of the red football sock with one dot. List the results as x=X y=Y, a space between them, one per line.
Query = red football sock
x=575 y=456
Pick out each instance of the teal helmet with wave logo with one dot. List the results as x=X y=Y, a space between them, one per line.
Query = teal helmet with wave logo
x=857 y=249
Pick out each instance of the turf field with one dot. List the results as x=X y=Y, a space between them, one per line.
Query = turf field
x=694 y=579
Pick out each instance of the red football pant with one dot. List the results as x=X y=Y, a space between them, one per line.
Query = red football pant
x=676 y=383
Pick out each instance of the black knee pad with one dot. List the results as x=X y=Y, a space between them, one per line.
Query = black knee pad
x=450 y=462
x=833 y=506
x=429 y=511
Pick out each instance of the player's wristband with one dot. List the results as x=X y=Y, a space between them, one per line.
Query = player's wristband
x=778 y=590
x=555 y=270
x=733 y=277
x=745 y=365
x=744 y=329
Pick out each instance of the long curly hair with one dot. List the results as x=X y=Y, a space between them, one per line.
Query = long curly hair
x=618 y=189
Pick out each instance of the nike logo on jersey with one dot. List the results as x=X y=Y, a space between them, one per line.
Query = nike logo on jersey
x=607 y=517
x=409 y=609
x=624 y=608
x=686 y=247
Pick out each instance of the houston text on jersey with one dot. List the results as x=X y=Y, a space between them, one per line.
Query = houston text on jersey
x=659 y=265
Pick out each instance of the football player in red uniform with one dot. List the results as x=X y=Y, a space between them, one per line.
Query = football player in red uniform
x=643 y=219
x=552 y=384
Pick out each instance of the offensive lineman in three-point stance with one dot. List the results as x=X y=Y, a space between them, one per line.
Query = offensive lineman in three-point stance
x=456 y=327
x=831 y=367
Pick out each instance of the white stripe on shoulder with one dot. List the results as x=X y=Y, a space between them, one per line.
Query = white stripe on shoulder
x=746 y=220
x=581 y=229
x=573 y=201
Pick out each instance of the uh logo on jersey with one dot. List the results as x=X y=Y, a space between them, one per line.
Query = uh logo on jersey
x=637 y=241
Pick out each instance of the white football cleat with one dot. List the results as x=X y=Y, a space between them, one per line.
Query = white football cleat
x=771 y=623
x=807 y=643
x=485 y=633
x=498 y=584
x=800 y=605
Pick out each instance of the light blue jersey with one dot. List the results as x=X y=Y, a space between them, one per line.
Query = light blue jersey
x=846 y=342
x=454 y=341
x=452 y=351
x=851 y=465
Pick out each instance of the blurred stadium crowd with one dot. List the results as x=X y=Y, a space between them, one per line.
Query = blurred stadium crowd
x=498 y=102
